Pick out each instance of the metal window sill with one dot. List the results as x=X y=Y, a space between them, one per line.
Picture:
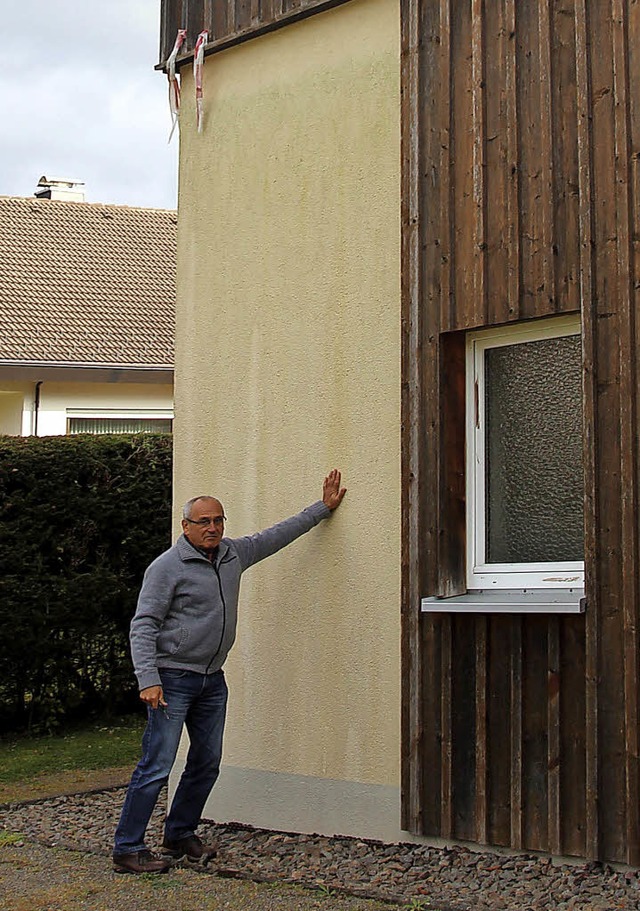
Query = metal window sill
x=510 y=601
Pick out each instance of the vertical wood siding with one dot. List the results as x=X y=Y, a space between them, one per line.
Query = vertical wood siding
x=229 y=21
x=521 y=184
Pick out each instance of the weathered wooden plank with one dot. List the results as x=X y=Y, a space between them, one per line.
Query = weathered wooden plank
x=517 y=824
x=609 y=327
x=481 y=811
x=499 y=728
x=442 y=123
x=468 y=311
x=479 y=139
x=463 y=726
x=232 y=17
x=566 y=240
x=413 y=483
x=513 y=171
x=554 y=721
x=270 y=10
x=572 y=736
x=591 y=430
x=167 y=23
x=432 y=113
x=170 y=22
x=452 y=490
x=633 y=164
x=429 y=816
x=195 y=23
x=535 y=778
x=546 y=296
x=530 y=163
x=500 y=171
x=207 y=16
x=447 y=825
x=266 y=12
x=219 y=19
x=628 y=428
x=243 y=18
x=610 y=680
x=433 y=40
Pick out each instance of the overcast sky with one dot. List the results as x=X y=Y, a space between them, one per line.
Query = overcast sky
x=81 y=99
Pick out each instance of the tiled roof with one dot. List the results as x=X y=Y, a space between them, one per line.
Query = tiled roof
x=85 y=283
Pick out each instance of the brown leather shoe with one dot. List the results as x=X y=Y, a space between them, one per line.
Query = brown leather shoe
x=190 y=847
x=140 y=862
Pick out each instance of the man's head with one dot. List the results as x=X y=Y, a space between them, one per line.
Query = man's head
x=203 y=522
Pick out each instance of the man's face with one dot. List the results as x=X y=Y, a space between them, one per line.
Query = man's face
x=205 y=534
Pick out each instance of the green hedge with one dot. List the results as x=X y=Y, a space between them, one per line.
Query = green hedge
x=81 y=517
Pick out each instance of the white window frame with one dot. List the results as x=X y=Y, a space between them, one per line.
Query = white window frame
x=124 y=414
x=482 y=576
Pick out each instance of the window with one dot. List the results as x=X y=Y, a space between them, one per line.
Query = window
x=118 y=423
x=524 y=472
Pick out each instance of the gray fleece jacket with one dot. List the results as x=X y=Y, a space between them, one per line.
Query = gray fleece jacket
x=188 y=606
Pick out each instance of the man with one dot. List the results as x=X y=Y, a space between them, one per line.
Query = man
x=182 y=631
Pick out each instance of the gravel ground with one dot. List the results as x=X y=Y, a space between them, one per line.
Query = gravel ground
x=36 y=878
x=400 y=874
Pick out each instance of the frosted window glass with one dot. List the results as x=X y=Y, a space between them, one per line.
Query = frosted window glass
x=534 y=488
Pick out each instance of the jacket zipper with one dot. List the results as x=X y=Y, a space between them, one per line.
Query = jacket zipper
x=224 y=619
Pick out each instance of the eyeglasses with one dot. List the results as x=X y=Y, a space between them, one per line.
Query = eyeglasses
x=218 y=521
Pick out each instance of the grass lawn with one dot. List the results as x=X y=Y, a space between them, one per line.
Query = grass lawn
x=98 y=746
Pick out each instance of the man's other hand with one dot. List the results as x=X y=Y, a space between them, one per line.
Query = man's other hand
x=332 y=493
x=153 y=696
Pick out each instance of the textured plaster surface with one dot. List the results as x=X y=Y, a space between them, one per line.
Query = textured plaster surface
x=287 y=364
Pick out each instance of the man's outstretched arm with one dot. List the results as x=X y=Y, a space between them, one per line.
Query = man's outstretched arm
x=253 y=548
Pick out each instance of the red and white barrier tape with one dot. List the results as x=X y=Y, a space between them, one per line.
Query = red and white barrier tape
x=198 y=61
x=174 y=85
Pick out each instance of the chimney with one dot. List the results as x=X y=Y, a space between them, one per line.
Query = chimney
x=60 y=188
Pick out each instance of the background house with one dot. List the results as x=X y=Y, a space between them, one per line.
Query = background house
x=87 y=296
x=408 y=232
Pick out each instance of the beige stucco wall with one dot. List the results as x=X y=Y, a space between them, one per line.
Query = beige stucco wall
x=288 y=363
x=11 y=403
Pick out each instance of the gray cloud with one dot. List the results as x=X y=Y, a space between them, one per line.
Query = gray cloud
x=81 y=99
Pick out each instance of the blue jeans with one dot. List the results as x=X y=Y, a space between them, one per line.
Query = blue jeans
x=198 y=701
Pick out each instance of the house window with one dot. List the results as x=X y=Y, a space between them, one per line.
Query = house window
x=525 y=526
x=118 y=425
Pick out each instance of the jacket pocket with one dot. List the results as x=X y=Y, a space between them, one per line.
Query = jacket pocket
x=184 y=635
x=172 y=641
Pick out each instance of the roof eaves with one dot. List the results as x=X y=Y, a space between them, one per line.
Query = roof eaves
x=104 y=365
